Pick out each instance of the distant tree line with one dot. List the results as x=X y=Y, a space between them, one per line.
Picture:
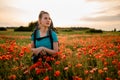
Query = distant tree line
x=94 y=31
x=3 y=29
x=87 y=30
x=69 y=29
x=30 y=27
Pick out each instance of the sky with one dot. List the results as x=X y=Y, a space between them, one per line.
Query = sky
x=98 y=14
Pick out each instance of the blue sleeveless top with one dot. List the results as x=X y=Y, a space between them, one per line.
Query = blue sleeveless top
x=46 y=41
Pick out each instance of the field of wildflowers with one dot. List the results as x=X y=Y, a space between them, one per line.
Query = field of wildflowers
x=81 y=57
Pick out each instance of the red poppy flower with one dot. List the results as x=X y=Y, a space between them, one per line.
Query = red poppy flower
x=12 y=77
x=57 y=73
x=78 y=65
x=57 y=62
x=108 y=78
x=46 y=78
x=38 y=71
x=66 y=68
x=100 y=71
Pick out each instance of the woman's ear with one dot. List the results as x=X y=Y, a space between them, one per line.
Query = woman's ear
x=39 y=21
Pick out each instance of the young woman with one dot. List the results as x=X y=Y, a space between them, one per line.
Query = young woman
x=41 y=37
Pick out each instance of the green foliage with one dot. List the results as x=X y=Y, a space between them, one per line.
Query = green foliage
x=3 y=29
x=21 y=28
x=94 y=31
x=30 y=27
x=70 y=29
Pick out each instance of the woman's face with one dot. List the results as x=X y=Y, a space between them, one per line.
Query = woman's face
x=45 y=20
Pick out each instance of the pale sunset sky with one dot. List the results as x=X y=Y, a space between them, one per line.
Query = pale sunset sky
x=98 y=14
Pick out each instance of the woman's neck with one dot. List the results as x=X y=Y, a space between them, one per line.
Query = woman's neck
x=43 y=29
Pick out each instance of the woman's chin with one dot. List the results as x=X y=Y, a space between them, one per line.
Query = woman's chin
x=47 y=26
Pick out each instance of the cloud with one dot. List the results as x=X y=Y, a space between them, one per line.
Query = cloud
x=115 y=10
x=106 y=13
x=11 y=15
x=101 y=0
x=11 y=10
x=117 y=7
x=103 y=18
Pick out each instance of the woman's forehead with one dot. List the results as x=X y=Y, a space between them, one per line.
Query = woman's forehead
x=45 y=15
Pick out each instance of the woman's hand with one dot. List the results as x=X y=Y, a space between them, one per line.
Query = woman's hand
x=36 y=51
x=43 y=52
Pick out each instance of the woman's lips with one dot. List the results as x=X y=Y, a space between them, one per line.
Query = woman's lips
x=48 y=23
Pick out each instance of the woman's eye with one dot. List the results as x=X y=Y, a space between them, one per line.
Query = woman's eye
x=47 y=18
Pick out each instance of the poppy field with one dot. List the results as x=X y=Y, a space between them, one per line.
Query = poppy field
x=80 y=57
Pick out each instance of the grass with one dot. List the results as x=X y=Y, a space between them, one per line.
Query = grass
x=10 y=32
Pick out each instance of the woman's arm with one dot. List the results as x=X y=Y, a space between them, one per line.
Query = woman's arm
x=35 y=51
x=32 y=44
x=49 y=51
x=55 y=48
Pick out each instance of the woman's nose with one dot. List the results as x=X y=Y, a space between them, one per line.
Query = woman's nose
x=48 y=20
